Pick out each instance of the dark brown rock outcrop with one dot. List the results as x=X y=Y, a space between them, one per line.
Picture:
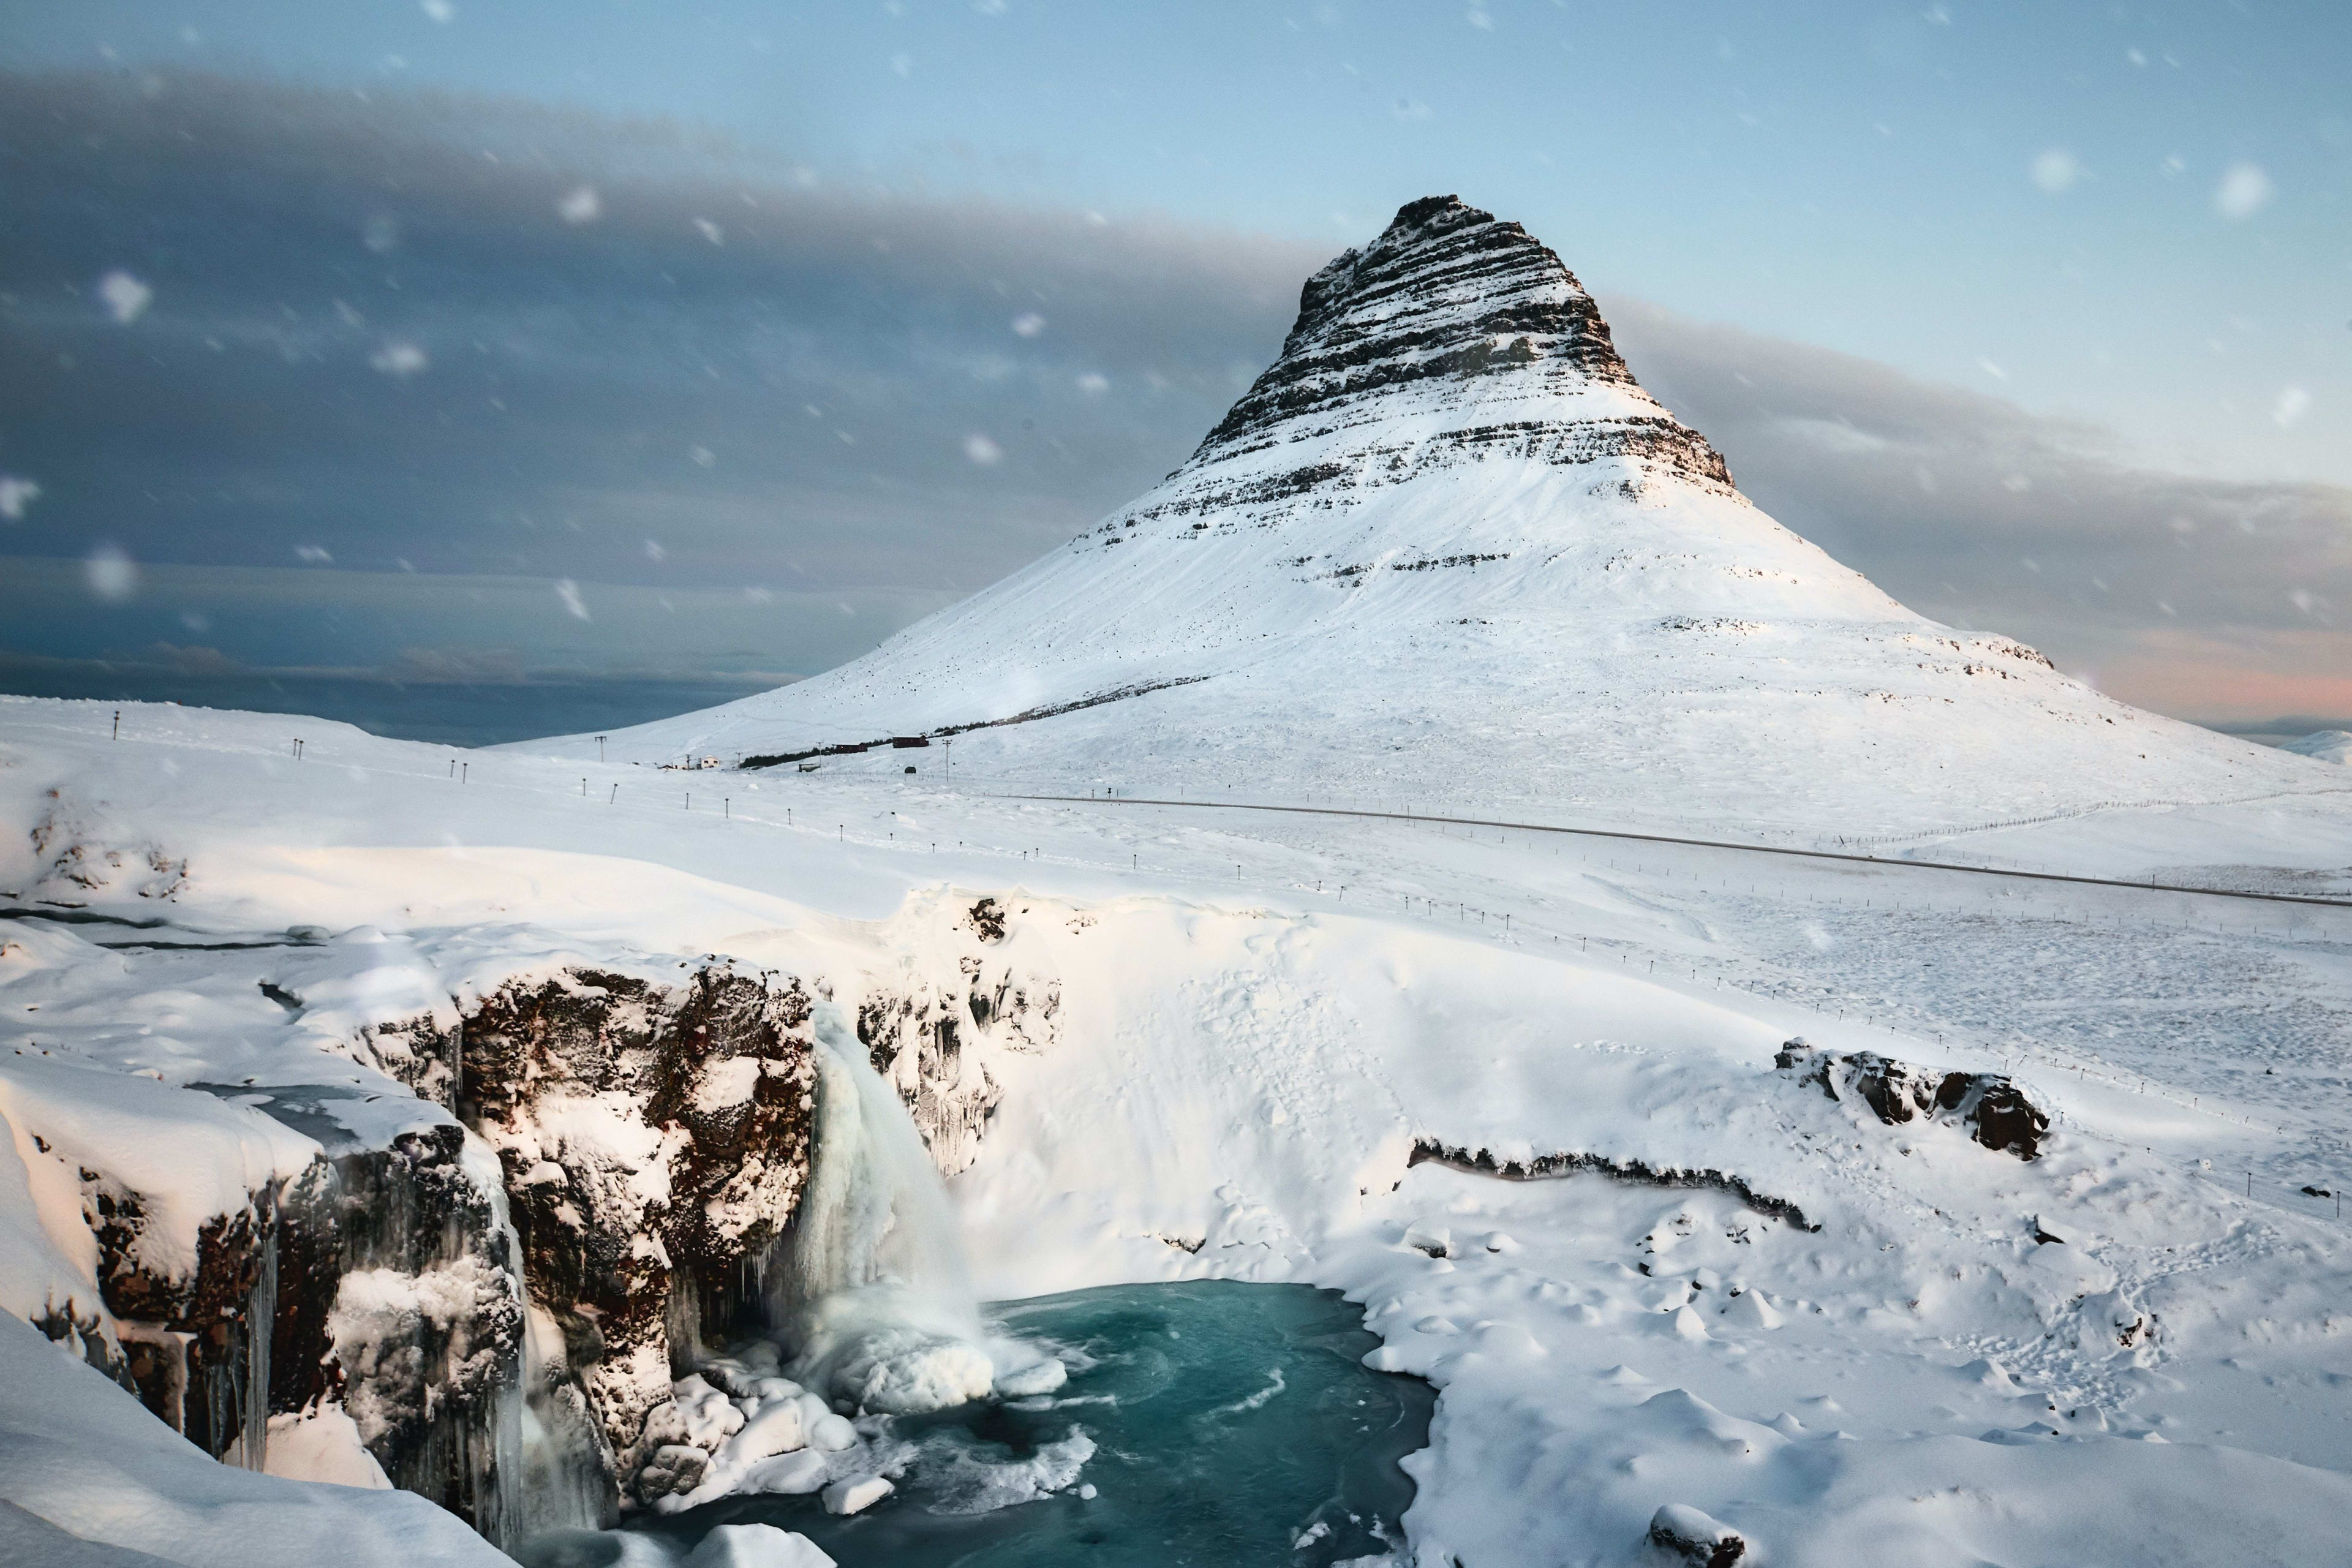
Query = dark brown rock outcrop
x=1989 y=1106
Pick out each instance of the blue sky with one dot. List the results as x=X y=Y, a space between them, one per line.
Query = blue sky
x=2102 y=252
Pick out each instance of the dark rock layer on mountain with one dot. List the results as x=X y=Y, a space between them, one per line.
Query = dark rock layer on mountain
x=1447 y=298
x=1989 y=1106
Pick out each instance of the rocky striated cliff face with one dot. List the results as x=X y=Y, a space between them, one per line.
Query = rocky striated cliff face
x=578 y=1214
x=382 y=1282
x=1448 y=306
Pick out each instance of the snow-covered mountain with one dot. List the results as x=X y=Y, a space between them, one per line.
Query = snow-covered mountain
x=1447 y=549
x=2323 y=745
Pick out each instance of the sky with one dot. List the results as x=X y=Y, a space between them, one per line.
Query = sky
x=471 y=343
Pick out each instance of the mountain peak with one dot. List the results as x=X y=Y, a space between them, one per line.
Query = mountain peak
x=1445 y=548
x=1455 y=315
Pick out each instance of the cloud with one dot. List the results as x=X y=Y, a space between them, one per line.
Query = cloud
x=551 y=370
x=2139 y=576
x=308 y=622
x=845 y=356
x=16 y=493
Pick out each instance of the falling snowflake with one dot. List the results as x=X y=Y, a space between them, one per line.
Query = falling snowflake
x=581 y=205
x=16 y=493
x=2056 y=170
x=125 y=297
x=399 y=358
x=2244 y=191
x=112 y=575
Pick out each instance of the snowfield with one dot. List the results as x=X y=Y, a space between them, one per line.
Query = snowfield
x=1335 y=914
x=1863 y=1341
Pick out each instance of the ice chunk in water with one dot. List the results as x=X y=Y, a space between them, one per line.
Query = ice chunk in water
x=1022 y=1373
x=790 y=1475
x=830 y=1434
x=857 y=1496
x=757 y=1546
x=777 y=1428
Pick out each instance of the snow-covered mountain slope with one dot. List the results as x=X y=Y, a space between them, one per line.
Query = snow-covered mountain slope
x=1446 y=552
x=2323 y=746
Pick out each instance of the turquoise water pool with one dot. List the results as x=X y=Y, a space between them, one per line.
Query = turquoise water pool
x=1214 y=1423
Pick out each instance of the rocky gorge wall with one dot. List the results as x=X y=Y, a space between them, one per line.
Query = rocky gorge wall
x=503 y=1301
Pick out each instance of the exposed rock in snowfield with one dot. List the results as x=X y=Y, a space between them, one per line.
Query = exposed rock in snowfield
x=1688 y=1536
x=1993 y=1110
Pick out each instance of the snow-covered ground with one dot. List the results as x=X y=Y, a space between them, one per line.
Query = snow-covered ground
x=2323 y=745
x=1261 y=1016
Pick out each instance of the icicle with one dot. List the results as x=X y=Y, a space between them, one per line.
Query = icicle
x=172 y=1345
x=260 y=1321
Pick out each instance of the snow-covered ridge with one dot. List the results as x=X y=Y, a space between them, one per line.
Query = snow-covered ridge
x=2323 y=746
